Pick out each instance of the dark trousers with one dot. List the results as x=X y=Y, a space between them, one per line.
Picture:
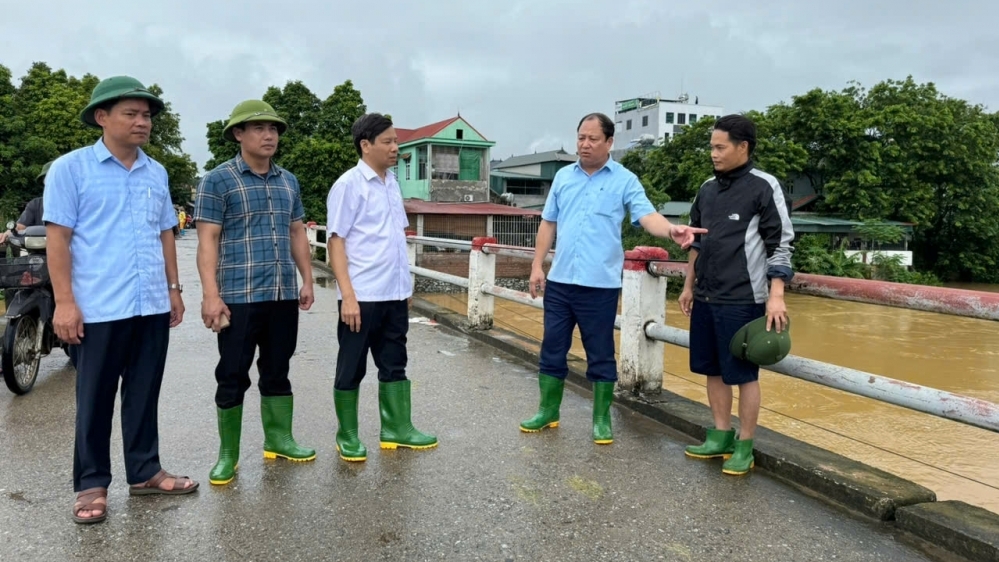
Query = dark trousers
x=593 y=310
x=712 y=327
x=134 y=350
x=270 y=326
x=384 y=326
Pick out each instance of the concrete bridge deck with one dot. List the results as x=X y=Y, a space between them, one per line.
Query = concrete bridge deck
x=488 y=492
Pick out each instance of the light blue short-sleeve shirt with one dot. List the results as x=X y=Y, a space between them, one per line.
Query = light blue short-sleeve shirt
x=117 y=216
x=588 y=211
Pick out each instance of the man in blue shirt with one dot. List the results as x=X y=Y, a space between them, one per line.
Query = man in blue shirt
x=587 y=205
x=251 y=237
x=113 y=262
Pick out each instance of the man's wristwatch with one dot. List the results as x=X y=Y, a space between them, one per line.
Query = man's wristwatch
x=177 y=286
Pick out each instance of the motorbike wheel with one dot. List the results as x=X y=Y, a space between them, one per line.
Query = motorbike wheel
x=21 y=357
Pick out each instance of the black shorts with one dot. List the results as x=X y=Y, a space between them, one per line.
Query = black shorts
x=711 y=329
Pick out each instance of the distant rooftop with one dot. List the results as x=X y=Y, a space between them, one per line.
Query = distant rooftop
x=802 y=222
x=536 y=158
x=421 y=207
x=427 y=131
x=650 y=100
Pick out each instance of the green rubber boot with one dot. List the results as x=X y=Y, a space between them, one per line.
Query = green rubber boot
x=551 y=401
x=347 y=442
x=397 y=425
x=230 y=427
x=719 y=443
x=603 y=395
x=742 y=459
x=276 y=414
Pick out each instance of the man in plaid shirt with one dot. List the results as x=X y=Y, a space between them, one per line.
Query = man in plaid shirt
x=251 y=237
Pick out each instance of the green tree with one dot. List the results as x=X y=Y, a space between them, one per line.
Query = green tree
x=904 y=151
x=165 y=147
x=40 y=120
x=874 y=232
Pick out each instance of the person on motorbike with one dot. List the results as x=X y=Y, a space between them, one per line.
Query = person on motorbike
x=32 y=215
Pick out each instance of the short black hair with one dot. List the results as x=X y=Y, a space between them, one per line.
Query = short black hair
x=739 y=128
x=368 y=127
x=606 y=125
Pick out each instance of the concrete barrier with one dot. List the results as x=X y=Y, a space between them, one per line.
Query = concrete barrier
x=966 y=530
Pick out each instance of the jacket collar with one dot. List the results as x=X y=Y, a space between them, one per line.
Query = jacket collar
x=726 y=179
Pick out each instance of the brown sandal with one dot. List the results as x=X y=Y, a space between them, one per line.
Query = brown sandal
x=87 y=501
x=152 y=486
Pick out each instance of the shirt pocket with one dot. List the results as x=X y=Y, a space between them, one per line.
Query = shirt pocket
x=609 y=204
x=149 y=200
x=399 y=214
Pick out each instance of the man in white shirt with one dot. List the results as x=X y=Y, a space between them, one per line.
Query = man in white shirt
x=366 y=225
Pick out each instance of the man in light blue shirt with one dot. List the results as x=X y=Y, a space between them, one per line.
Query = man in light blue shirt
x=366 y=224
x=587 y=204
x=113 y=263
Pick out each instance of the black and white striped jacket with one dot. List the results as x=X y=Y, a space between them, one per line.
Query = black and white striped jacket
x=749 y=236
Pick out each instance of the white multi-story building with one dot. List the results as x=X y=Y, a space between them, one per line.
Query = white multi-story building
x=654 y=120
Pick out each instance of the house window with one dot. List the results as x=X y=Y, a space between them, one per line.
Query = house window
x=669 y=117
x=627 y=124
x=645 y=120
x=525 y=187
x=693 y=118
x=445 y=165
x=681 y=118
x=407 y=169
x=421 y=159
x=469 y=164
x=459 y=134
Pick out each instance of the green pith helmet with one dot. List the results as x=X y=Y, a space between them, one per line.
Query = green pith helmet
x=119 y=87
x=755 y=344
x=252 y=110
x=45 y=170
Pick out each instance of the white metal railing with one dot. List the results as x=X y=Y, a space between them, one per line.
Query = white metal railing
x=644 y=330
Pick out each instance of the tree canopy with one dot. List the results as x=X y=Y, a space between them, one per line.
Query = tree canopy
x=897 y=151
x=317 y=147
x=40 y=120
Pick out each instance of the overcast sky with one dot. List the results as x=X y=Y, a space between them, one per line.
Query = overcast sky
x=521 y=72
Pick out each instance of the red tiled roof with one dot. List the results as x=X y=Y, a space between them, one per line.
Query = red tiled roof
x=407 y=135
x=803 y=202
x=420 y=207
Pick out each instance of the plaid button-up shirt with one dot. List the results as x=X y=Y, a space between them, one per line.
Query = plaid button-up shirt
x=256 y=213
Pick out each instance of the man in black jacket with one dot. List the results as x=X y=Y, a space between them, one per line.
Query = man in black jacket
x=736 y=274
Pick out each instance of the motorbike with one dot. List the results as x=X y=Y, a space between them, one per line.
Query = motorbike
x=30 y=308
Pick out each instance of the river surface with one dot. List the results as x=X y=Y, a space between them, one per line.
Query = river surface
x=951 y=353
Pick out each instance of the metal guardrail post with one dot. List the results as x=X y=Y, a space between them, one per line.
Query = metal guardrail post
x=411 y=253
x=643 y=296
x=481 y=271
x=310 y=232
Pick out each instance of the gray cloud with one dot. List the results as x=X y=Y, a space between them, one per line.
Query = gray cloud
x=522 y=72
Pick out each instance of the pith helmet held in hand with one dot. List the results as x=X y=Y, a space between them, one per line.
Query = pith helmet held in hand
x=252 y=110
x=115 y=88
x=755 y=344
